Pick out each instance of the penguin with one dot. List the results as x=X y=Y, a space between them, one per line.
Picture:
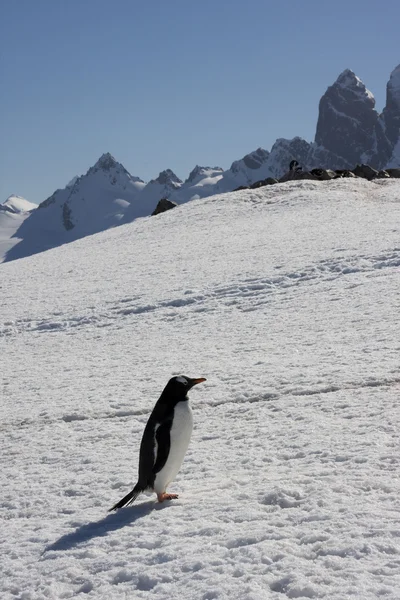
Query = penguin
x=294 y=166
x=165 y=441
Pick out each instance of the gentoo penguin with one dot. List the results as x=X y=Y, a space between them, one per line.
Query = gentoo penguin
x=294 y=166
x=165 y=441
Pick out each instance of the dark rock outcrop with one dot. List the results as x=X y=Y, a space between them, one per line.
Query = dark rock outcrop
x=391 y=113
x=344 y=173
x=348 y=124
x=292 y=175
x=323 y=174
x=366 y=172
x=395 y=173
x=263 y=182
x=253 y=161
x=163 y=205
x=169 y=179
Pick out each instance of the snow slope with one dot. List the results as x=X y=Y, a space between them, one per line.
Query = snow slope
x=287 y=299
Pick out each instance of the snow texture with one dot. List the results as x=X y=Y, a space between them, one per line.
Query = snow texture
x=286 y=298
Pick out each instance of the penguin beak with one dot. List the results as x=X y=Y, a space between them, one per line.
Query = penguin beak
x=196 y=381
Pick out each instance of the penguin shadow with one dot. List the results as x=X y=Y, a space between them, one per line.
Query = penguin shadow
x=103 y=527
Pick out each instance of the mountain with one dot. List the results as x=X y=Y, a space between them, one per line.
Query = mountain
x=349 y=131
x=17 y=205
x=349 y=126
x=286 y=299
x=88 y=204
x=13 y=212
x=145 y=202
x=391 y=113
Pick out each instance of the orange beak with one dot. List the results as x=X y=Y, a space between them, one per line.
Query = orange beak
x=196 y=381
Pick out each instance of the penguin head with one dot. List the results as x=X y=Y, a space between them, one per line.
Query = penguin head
x=178 y=387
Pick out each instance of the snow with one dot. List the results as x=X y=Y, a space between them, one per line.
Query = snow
x=13 y=213
x=17 y=204
x=286 y=298
x=349 y=80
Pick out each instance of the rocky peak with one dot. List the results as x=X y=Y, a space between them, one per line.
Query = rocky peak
x=111 y=169
x=391 y=112
x=200 y=172
x=253 y=160
x=394 y=84
x=351 y=86
x=348 y=124
x=105 y=163
x=284 y=151
x=169 y=179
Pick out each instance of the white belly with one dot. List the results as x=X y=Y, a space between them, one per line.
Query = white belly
x=181 y=431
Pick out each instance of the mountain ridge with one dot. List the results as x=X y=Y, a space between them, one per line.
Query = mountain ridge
x=349 y=130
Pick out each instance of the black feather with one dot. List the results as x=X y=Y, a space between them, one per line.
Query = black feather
x=129 y=498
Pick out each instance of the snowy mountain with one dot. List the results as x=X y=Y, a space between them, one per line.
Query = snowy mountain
x=349 y=131
x=17 y=205
x=88 y=204
x=13 y=213
x=286 y=299
x=161 y=187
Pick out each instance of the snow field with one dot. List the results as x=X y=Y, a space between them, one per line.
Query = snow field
x=287 y=300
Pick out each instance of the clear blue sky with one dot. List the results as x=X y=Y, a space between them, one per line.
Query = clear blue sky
x=171 y=84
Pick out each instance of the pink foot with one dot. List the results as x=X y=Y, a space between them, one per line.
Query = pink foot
x=164 y=496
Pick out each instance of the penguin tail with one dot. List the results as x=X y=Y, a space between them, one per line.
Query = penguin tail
x=129 y=498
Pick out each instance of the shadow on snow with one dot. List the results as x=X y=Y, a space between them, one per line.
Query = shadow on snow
x=100 y=528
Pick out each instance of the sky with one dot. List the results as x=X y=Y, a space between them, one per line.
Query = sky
x=172 y=84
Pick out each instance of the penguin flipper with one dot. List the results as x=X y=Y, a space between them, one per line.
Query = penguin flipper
x=129 y=498
x=163 y=440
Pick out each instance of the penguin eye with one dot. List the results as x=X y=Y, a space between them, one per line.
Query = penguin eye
x=182 y=380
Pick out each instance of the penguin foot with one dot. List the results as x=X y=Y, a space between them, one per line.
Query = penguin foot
x=164 y=496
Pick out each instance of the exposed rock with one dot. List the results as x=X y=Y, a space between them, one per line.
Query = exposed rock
x=323 y=174
x=106 y=162
x=66 y=215
x=199 y=173
x=241 y=187
x=263 y=182
x=297 y=175
x=322 y=158
x=284 y=151
x=253 y=161
x=391 y=113
x=343 y=173
x=50 y=200
x=382 y=174
x=163 y=205
x=348 y=124
x=395 y=173
x=365 y=171
x=168 y=178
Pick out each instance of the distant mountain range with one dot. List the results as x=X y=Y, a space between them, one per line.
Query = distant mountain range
x=349 y=131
